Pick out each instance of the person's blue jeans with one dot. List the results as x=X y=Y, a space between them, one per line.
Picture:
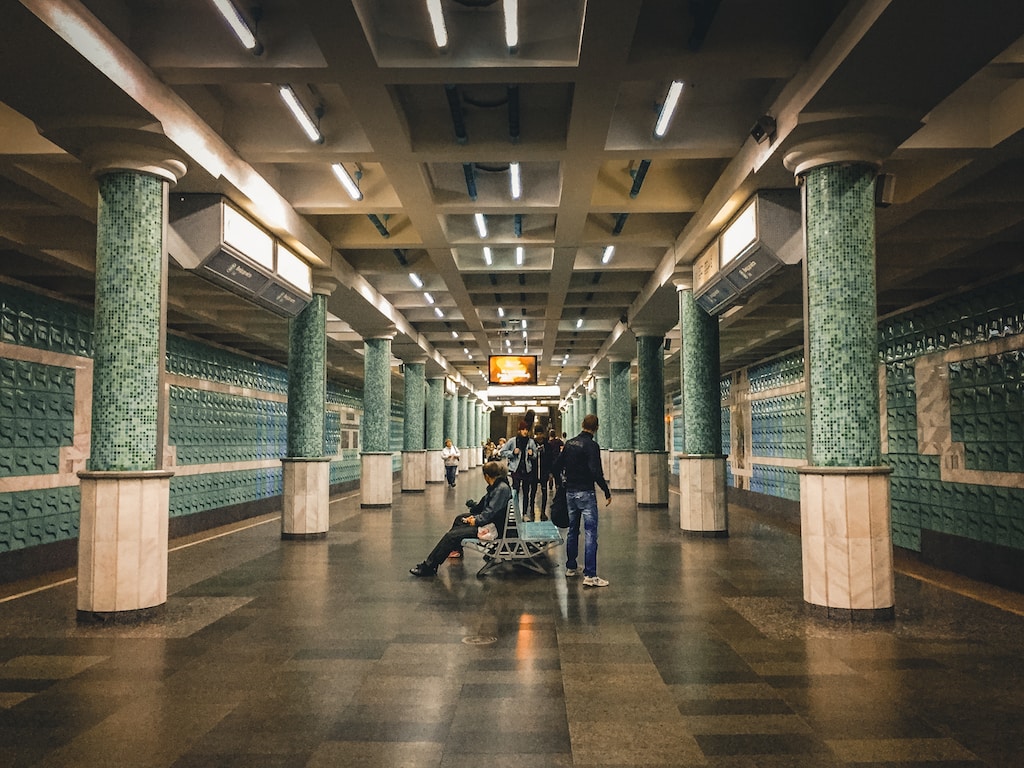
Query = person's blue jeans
x=449 y=474
x=582 y=504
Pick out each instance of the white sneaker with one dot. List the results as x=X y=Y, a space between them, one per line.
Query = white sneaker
x=594 y=581
x=570 y=572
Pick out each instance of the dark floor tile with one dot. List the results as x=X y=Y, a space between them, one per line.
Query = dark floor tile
x=759 y=744
x=735 y=707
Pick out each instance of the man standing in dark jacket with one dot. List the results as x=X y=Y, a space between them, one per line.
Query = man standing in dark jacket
x=580 y=460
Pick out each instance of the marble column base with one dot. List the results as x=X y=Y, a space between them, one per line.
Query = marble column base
x=623 y=470
x=122 y=544
x=652 y=479
x=414 y=471
x=375 y=479
x=464 y=461
x=306 y=498
x=702 y=505
x=435 y=467
x=846 y=541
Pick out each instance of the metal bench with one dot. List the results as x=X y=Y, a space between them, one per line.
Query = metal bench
x=523 y=544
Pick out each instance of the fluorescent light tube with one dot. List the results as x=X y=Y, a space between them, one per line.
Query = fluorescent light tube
x=347 y=181
x=302 y=117
x=501 y=311
x=519 y=255
x=488 y=256
x=579 y=323
x=238 y=25
x=481 y=224
x=428 y=297
x=415 y=279
x=511 y=8
x=668 y=109
x=438 y=312
x=609 y=251
x=515 y=181
x=437 y=23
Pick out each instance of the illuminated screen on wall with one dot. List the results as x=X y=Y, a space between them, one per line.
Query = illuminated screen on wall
x=512 y=369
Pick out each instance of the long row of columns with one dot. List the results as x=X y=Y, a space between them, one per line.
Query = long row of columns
x=844 y=492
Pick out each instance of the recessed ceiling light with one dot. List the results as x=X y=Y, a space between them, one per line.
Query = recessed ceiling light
x=668 y=109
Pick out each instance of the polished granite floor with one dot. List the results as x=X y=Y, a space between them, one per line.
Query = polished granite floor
x=329 y=653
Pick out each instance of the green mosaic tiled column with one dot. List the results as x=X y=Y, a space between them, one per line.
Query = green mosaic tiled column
x=845 y=528
x=306 y=471
x=451 y=419
x=702 y=502
x=620 y=438
x=307 y=380
x=841 y=316
x=128 y=322
x=702 y=413
x=376 y=464
x=125 y=493
x=650 y=393
x=414 y=457
x=434 y=439
x=462 y=431
x=651 y=456
x=602 y=389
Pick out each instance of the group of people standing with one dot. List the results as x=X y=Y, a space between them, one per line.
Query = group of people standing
x=545 y=462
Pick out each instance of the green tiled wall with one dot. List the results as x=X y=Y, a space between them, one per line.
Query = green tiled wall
x=211 y=427
x=31 y=518
x=37 y=416
x=778 y=426
x=986 y=399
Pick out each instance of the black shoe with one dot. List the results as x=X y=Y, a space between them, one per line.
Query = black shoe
x=424 y=569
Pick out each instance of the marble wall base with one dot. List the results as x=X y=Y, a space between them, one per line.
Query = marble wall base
x=122 y=542
x=623 y=469
x=702 y=504
x=846 y=539
x=414 y=471
x=606 y=462
x=464 y=464
x=435 y=467
x=306 y=498
x=652 y=479
x=375 y=479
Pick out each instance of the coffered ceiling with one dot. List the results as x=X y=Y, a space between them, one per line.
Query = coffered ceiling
x=574 y=104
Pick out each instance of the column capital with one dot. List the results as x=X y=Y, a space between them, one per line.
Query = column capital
x=325 y=283
x=648 y=330
x=848 y=148
x=108 y=156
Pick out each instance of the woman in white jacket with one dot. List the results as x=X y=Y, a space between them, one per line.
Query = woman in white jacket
x=450 y=457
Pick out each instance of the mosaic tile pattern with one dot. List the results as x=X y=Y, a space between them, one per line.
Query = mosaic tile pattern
x=462 y=422
x=191 y=494
x=701 y=378
x=777 y=373
x=37 y=416
x=843 y=353
x=778 y=426
x=783 y=482
x=435 y=415
x=650 y=400
x=986 y=407
x=377 y=395
x=209 y=427
x=603 y=389
x=31 y=320
x=620 y=406
x=414 y=414
x=307 y=371
x=451 y=419
x=186 y=357
x=127 y=327
x=33 y=517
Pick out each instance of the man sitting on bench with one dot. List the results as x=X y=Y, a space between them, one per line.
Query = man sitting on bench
x=492 y=508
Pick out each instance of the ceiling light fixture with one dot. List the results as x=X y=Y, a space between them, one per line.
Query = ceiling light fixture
x=455 y=334
x=519 y=255
x=239 y=25
x=438 y=312
x=488 y=256
x=416 y=279
x=515 y=181
x=524 y=322
x=501 y=311
x=305 y=120
x=428 y=297
x=511 y=8
x=579 y=323
x=668 y=109
x=347 y=181
x=481 y=224
x=437 y=23
x=609 y=251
